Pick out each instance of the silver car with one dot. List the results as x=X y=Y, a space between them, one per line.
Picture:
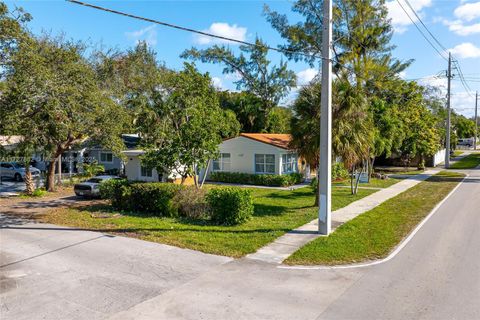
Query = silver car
x=16 y=171
x=91 y=187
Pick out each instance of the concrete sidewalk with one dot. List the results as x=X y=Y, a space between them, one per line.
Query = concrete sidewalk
x=290 y=242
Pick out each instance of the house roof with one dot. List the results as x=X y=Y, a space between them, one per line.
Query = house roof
x=281 y=140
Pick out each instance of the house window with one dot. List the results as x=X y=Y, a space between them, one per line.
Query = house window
x=265 y=163
x=145 y=172
x=106 y=157
x=222 y=163
x=289 y=163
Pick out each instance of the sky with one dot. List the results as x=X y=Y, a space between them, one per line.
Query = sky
x=455 y=23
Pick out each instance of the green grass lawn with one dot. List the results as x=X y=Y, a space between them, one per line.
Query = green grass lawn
x=374 y=234
x=276 y=212
x=469 y=162
x=374 y=183
x=457 y=153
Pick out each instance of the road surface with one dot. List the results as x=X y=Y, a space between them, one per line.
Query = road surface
x=60 y=274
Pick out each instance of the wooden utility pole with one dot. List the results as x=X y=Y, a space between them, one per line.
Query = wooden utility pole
x=447 y=137
x=325 y=166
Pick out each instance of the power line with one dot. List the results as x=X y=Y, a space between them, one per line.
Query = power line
x=203 y=33
x=420 y=30
x=423 y=24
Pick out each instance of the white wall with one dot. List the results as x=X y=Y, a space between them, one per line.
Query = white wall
x=242 y=154
x=133 y=170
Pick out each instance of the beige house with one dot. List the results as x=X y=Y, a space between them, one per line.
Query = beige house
x=259 y=153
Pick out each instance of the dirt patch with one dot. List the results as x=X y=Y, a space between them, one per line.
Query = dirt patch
x=31 y=207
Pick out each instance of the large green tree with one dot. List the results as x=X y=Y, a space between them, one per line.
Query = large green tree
x=255 y=74
x=52 y=98
x=182 y=128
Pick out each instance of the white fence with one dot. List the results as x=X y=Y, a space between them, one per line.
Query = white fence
x=438 y=157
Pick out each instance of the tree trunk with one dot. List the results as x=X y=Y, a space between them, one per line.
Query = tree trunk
x=205 y=174
x=51 y=175
x=352 y=177
x=29 y=186
x=195 y=178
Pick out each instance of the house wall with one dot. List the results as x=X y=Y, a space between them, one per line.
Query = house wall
x=133 y=170
x=116 y=161
x=133 y=173
x=242 y=154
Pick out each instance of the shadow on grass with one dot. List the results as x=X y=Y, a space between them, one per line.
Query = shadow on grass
x=140 y=230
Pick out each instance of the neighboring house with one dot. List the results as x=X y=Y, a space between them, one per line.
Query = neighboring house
x=10 y=142
x=259 y=153
x=104 y=157
x=136 y=172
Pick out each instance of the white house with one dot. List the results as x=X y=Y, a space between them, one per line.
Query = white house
x=259 y=153
x=136 y=172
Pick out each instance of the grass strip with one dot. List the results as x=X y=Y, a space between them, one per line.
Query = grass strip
x=469 y=162
x=374 y=234
x=276 y=212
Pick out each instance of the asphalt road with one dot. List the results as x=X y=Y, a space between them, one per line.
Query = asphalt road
x=50 y=273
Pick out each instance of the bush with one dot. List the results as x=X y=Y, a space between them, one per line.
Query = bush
x=339 y=172
x=154 y=198
x=109 y=188
x=191 y=203
x=272 y=180
x=230 y=206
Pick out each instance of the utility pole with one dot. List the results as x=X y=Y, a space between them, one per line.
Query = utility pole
x=476 y=122
x=447 y=137
x=325 y=165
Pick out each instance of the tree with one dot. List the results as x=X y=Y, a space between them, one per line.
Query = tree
x=183 y=127
x=421 y=135
x=131 y=78
x=269 y=84
x=53 y=99
x=363 y=59
x=351 y=132
x=465 y=128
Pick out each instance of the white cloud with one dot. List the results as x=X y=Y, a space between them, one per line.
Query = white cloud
x=217 y=82
x=458 y=27
x=466 y=50
x=222 y=29
x=403 y=74
x=147 y=34
x=399 y=19
x=468 y=11
x=305 y=76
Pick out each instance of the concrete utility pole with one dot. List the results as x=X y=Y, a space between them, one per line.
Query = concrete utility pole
x=447 y=136
x=325 y=166
x=476 y=122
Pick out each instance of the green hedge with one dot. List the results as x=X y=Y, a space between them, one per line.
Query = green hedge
x=272 y=180
x=224 y=206
x=230 y=206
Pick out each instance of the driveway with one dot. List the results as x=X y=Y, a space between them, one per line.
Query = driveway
x=53 y=272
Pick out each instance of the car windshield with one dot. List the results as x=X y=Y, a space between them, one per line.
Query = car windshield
x=95 y=180
x=19 y=165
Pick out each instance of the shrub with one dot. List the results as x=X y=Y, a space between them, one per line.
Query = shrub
x=154 y=198
x=108 y=189
x=230 y=206
x=272 y=180
x=339 y=172
x=191 y=202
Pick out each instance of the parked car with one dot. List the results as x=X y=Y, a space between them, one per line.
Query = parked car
x=91 y=187
x=465 y=142
x=16 y=171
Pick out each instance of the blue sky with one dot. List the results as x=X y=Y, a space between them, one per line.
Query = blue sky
x=456 y=23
